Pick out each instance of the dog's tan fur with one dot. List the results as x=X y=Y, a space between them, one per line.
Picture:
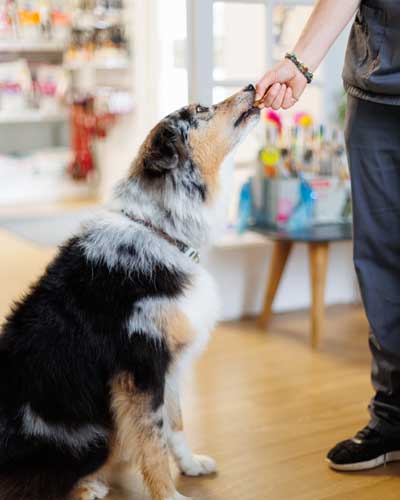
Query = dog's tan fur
x=139 y=440
x=177 y=330
x=210 y=145
x=138 y=443
x=137 y=166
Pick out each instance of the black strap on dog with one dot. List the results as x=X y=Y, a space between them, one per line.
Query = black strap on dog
x=180 y=245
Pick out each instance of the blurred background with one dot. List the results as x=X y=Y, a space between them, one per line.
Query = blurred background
x=82 y=82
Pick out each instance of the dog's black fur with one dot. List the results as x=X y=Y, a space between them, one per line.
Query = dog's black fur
x=76 y=307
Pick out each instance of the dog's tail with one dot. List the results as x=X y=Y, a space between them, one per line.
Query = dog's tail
x=35 y=483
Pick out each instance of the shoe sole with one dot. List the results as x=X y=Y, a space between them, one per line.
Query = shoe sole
x=392 y=456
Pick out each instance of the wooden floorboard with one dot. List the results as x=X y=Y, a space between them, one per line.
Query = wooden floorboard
x=269 y=408
x=262 y=403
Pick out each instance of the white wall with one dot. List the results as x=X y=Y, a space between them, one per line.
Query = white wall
x=242 y=274
x=116 y=152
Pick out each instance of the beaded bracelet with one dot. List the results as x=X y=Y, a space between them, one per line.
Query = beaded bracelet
x=300 y=66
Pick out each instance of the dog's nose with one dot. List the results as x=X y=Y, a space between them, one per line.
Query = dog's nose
x=250 y=88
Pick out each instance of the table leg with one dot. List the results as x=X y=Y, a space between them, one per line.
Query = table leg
x=280 y=255
x=318 y=267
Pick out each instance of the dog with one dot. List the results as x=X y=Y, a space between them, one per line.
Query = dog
x=91 y=357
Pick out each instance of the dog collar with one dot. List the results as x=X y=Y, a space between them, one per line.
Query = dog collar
x=187 y=250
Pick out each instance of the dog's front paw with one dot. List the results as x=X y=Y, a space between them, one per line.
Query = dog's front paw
x=178 y=496
x=92 y=490
x=198 y=465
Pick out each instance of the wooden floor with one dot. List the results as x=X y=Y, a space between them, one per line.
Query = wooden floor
x=263 y=404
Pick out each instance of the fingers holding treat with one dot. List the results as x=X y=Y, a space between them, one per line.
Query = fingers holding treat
x=277 y=103
x=288 y=100
x=271 y=95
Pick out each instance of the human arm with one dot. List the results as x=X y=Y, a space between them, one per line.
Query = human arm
x=284 y=84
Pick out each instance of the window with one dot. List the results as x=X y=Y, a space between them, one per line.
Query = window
x=232 y=42
x=172 y=59
x=240 y=47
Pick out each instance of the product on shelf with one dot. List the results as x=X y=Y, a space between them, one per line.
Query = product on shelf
x=50 y=86
x=15 y=86
x=104 y=46
x=39 y=87
x=7 y=15
x=110 y=45
x=60 y=20
x=113 y=101
x=35 y=20
x=98 y=33
x=29 y=18
x=302 y=147
x=302 y=174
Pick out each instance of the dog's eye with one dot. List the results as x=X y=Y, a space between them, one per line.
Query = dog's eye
x=202 y=109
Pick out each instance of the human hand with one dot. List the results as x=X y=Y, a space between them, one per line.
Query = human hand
x=281 y=87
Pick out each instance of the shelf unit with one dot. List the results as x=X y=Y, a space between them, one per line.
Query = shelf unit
x=38 y=128
x=31 y=129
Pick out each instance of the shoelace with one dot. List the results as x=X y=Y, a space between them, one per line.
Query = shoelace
x=365 y=433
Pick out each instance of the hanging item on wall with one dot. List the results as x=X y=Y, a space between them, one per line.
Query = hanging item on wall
x=85 y=127
x=91 y=118
x=97 y=58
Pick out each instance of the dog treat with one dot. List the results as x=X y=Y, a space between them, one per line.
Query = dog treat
x=259 y=101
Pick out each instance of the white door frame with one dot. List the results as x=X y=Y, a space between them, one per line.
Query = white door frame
x=200 y=50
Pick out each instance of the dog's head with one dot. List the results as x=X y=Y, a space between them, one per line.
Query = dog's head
x=186 y=149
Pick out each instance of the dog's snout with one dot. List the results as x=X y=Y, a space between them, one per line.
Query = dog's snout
x=250 y=88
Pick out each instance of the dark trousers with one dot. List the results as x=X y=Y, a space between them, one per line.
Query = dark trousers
x=373 y=144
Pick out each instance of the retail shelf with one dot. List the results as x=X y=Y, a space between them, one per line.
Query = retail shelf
x=31 y=46
x=32 y=116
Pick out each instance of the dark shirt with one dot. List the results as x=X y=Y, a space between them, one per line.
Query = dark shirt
x=372 y=66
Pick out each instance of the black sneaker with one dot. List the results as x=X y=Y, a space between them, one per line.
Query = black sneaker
x=368 y=449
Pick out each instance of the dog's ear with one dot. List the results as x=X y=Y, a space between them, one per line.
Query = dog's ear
x=168 y=150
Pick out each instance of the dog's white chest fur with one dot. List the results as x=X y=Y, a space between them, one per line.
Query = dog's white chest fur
x=201 y=305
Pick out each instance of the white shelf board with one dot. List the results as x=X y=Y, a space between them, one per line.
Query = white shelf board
x=32 y=116
x=45 y=209
x=231 y=240
x=98 y=65
x=31 y=46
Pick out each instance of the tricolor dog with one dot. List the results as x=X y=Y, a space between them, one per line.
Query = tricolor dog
x=91 y=357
